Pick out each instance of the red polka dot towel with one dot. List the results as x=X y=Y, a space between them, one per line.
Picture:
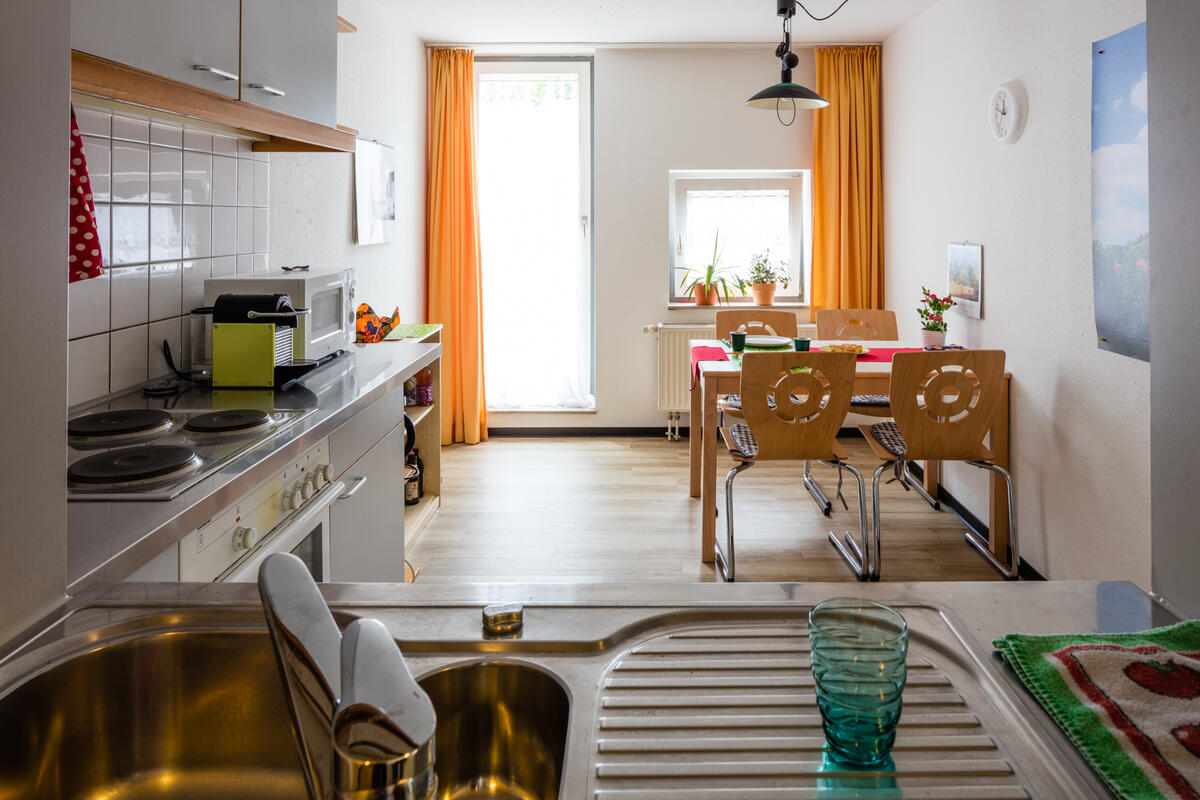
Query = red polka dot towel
x=84 y=258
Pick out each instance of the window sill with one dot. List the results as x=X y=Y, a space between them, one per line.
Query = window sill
x=541 y=410
x=729 y=306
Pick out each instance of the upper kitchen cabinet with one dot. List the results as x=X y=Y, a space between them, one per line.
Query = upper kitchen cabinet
x=289 y=57
x=189 y=42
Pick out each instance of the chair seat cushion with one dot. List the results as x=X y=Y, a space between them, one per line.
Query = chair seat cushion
x=888 y=435
x=734 y=401
x=743 y=440
x=870 y=400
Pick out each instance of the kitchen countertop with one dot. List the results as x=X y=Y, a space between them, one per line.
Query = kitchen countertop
x=106 y=541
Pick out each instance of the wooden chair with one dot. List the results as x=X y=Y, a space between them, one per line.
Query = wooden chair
x=863 y=324
x=757 y=322
x=794 y=416
x=857 y=323
x=944 y=402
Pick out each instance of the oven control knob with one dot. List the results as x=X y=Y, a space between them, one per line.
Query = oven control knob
x=324 y=471
x=244 y=538
x=306 y=489
x=314 y=481
x=295 y=499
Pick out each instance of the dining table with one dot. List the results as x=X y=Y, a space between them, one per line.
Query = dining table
x=713 y=378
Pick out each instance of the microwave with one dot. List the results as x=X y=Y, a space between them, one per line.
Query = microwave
x=328 y=296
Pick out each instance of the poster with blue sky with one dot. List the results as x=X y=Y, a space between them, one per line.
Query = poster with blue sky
x=1121 y=194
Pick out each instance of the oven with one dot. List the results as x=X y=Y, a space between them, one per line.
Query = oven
x=287 y=513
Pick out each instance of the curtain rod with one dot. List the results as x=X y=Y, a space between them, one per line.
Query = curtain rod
x=642 y=45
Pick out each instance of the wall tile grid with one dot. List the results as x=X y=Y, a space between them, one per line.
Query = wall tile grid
x=174 y=206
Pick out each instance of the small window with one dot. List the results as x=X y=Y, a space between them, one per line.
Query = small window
x=744 y=214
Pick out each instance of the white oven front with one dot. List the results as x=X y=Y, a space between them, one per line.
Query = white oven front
x=305 y=536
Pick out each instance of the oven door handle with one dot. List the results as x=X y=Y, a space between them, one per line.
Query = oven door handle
x=283 y=539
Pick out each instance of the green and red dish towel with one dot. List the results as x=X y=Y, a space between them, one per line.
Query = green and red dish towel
x=1129 y=701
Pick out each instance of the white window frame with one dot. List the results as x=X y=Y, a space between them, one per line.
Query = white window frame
x=799 y=184
x=582 y=66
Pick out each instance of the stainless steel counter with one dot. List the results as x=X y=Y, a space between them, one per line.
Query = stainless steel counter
x=679 y=691
x=108 y=540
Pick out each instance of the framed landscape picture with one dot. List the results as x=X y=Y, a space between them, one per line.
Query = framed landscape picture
x=965 y=262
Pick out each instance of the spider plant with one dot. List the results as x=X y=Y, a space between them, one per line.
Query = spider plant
x=711 y=274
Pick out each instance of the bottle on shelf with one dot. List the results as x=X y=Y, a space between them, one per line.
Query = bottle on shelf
x=424 y=380
x=410 y=392
x=412 y=477
x=416 y=457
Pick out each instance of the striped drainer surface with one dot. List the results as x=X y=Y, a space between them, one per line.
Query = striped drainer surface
x=729 y=712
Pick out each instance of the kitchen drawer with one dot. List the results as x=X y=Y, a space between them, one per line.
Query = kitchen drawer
x=348 y=443
x=366 y=529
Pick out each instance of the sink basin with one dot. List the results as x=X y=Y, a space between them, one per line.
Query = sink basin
x=501 y=732
x=181 y=715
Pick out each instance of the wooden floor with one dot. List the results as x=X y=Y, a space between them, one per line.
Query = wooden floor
x=589 y=510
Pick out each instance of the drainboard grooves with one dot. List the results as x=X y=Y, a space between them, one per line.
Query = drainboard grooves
x=823 y=793
x=730 y=712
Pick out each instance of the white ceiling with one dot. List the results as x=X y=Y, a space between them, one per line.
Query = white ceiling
x=634 y=21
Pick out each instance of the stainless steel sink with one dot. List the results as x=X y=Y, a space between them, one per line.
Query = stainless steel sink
x=501 y=733
x=181 y=715
x=163 y=691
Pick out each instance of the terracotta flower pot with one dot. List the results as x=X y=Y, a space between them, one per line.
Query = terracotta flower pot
x=703 y=298
x=933 y=338
x=763 y=293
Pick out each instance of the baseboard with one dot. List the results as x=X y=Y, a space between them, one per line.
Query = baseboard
x=1025 y=569
x=590 y=432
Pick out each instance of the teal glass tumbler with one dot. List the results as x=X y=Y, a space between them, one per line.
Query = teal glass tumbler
x=859 y=663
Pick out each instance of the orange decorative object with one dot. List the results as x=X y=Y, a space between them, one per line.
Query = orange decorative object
x=370 y=327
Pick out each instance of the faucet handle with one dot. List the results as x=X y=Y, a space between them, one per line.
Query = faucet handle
x=384 y=726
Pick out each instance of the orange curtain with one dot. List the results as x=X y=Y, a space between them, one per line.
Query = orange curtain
x=847 y=181
x=452 y=229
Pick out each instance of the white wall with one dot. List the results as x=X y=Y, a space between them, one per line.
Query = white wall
x=1173 y=29
x=381 y=93
x=1080 y=416
x=656 y=110
x=33 y=282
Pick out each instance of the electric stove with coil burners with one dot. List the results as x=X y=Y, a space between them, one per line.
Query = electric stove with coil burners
x=146 y=453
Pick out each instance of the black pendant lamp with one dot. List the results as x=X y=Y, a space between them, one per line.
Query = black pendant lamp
x=787 y=96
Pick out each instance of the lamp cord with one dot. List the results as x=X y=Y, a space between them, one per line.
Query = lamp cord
x=827 y=16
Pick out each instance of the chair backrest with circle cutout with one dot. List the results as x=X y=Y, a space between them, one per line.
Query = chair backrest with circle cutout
x=866 y=324
x=944 y=401
x=756 y=322
x=809 y=406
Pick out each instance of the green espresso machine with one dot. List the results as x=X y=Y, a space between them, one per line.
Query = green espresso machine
x=252 y=341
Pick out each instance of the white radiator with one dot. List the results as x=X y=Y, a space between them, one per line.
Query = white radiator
x=675 y=361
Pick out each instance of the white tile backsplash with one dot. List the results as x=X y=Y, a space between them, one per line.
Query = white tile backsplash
x=224 y=181
x=197 y=178
x=166 y=175
x=224 y=230
x=87 y=308
x=173 y=208
x=136 y=130
x=197 y=231
x=87 y=367
x=130 y=293
x=166 y=291
x=127 y=357
x=166 y=232
x=130 y=172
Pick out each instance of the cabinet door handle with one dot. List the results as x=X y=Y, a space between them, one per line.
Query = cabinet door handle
x=358 y=484
x=220 y=73
x=271 y=90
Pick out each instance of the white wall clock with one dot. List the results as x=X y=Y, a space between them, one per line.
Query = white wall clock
x=1006 y=112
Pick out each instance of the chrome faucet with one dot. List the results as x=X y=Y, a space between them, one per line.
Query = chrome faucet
x=364 y=727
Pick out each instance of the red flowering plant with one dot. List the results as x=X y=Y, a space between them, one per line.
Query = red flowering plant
x=932 y=308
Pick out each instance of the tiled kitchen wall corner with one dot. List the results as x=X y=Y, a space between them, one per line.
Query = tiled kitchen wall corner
x=174 y=206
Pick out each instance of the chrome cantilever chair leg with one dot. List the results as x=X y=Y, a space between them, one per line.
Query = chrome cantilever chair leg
x=1011 y=572
x=920 y=487
x=877 y=551
x=725 y=560
x=810 y=483
x=858 y=557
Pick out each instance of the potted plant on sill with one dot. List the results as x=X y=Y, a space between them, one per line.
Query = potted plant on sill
x=702 y=282
x=933 y=323
x=765 y=278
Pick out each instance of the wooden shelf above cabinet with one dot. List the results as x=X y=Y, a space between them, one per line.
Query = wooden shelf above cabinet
x=102 y=78
x=345 y=26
